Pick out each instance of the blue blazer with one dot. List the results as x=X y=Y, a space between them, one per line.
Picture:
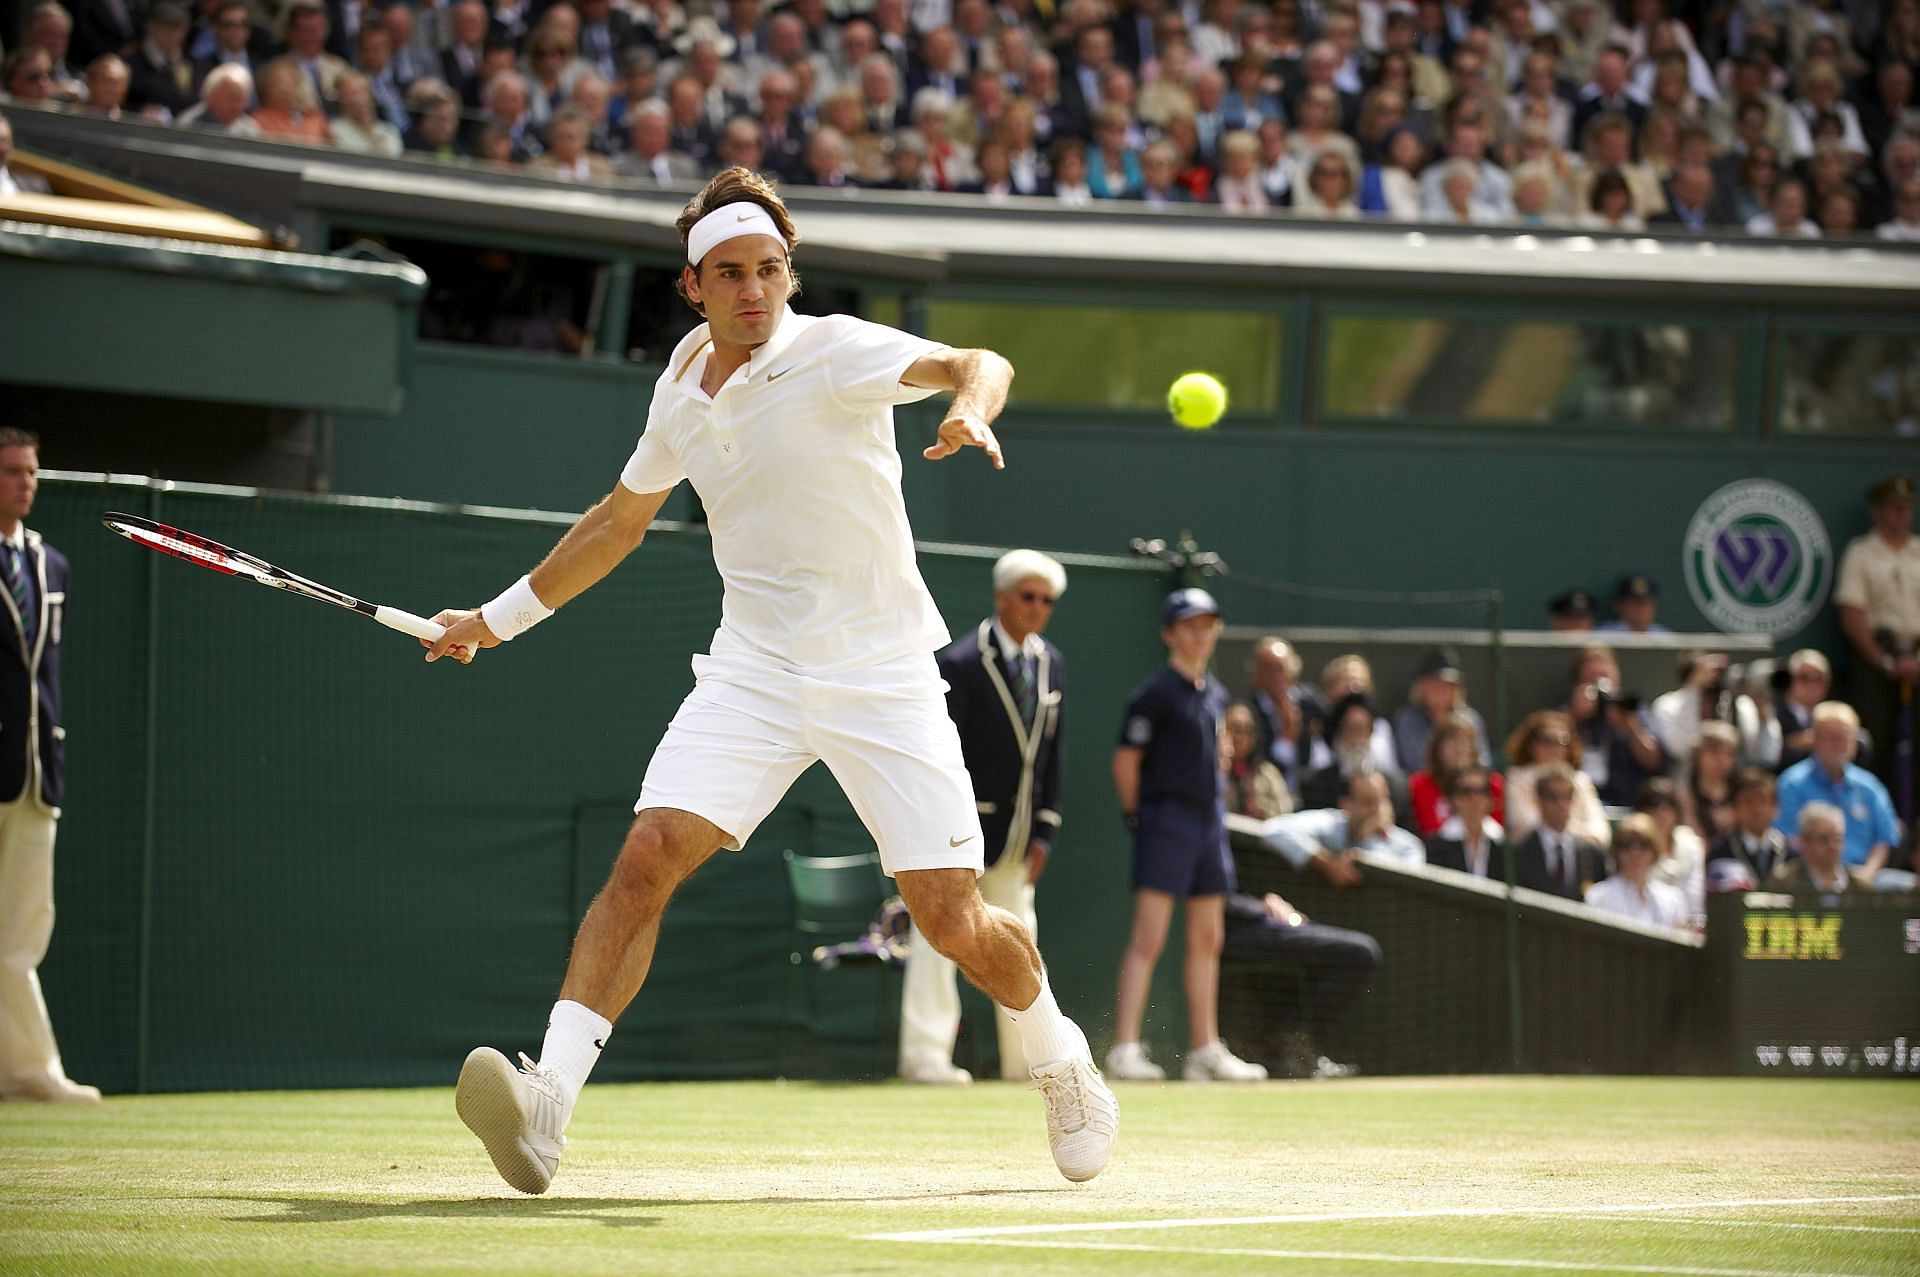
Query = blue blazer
x=30 y=731
x=1016 y=771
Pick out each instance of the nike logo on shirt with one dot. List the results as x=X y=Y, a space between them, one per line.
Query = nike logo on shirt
x=775 y=376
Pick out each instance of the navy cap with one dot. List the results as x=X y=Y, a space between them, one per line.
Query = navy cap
x=1636 y=587
x=1182 y=604
x=1572 y=603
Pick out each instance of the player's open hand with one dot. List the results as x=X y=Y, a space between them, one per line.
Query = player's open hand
x=963 y=431
x=466 y=634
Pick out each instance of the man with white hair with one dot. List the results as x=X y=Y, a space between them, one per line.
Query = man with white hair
x=1006 y=692
x=1819 y=868
x=222 y=108
x=1830 y=776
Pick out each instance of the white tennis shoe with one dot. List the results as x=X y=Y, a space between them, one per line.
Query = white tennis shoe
x=517 y=1114
x=1083 y=1117
x=1214 y=1063
x=1129 y=1063
x=935 y=1073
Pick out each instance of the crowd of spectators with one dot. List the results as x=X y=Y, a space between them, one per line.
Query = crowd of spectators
x=1787 y=118
x=1735 y=777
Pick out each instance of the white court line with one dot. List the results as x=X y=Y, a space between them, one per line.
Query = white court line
x=1339 y=1217
x=1362 y=1256
x=1762 y=1223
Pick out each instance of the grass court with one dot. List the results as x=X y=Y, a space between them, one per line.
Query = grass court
x=1373 y=1177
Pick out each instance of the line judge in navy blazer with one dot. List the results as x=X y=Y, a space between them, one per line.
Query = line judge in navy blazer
x=33 y=604
x=1006 y=692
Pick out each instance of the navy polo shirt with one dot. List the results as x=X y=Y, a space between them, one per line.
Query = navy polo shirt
x=1176 y=726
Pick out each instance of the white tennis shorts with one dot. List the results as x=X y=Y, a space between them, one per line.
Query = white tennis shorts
x=751 y=726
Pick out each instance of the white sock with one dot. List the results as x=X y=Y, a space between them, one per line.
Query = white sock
x=1046 y=1034
x=575 y=1036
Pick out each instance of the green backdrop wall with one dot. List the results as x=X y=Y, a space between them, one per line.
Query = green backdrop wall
x=295 y=855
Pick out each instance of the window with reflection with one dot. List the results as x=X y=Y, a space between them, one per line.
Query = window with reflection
x=1118 y=356
x=1527 y=372
x=1850 y=384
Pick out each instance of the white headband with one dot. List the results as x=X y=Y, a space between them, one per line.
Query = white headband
x=729 y=221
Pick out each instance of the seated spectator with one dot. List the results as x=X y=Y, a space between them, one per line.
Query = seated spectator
x=866 y=150
x=949 y=162
x=1534 y=203
x=1786 y=215
x=1607 y=93
x=1706 y=798
x=1904 y=224
x=1238 y=188
x=1619 y=750
x=358 y=127
x=107 y=83
x=1316 y=129
x=1571 y=612
x=1684 y=865
x=1437 y=694
x=1113 y=167
x=1636 y=602
x=1351 y=723
x=463 y=49
x=906 y=164
x=1822 y=92
x=27 y=76
x=1249 y=101
x=222 y=108
x=1608 y=147
x=567 y=157
x=1255 y=787
x=1340 y=677
x=1631 y=891
x=161 y=74
x=283 y=114
x=1326 y=839
x=1329 y=190
x=743 y=146
x=305 y=32
x=1553 y=858
x=1453 y=745
x=1819 y=869
x=828 y=165
x=1610 y=206
x=1381 y=112
x=1283 y=706
x=1471 y=840
x=1492 y=189
x=648 y=157
x=1830 y=776
x=374 y=61
x=1027 y=163
x=1693 y=202
x=1391 y=188
x=1160 y=178
x=550 y=70
x=506 y=97
x=1069 y=183
x=1540 y=101
x=14 y=182
x=1889 y=109
x=1752 y=844
x=1838 y=215
x=1677 y=715
x=1337 y=964
x=1457 y=184
x=50 y=27
x=1758 y=177
x=1545 y=739
x=1277 y=168
x=436 y=125
x=593 y=98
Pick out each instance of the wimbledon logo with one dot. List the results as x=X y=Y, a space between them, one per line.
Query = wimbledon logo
x=1757 y=559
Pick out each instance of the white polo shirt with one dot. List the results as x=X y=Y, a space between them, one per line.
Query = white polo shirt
x=1882 y=582
x=796 y=462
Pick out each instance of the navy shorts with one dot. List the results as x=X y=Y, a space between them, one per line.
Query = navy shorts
x=1182 y=850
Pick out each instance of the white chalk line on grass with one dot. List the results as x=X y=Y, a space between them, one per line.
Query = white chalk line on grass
x=1373 y=1257
x=1342 y=1217
x=1759 y=1223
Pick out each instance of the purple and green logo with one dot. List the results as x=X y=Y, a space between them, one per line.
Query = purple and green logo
x=1757 y=559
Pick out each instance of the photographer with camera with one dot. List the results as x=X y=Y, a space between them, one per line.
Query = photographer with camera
x=1677 y=715
x=1619 y=751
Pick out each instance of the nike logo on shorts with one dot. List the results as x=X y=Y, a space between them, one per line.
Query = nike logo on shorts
x=955 y=842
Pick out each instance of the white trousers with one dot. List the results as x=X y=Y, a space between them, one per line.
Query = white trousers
x=930 y=994
x=29 y=1056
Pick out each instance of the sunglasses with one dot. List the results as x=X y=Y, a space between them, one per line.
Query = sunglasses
x=1468 y=790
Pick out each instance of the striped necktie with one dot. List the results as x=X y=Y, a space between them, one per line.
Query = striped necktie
x=18 y=587
x=1025 y=694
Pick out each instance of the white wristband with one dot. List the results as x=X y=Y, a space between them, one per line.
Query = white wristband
x=517 y=610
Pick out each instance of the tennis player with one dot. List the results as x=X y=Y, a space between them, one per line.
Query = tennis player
x=783 y=423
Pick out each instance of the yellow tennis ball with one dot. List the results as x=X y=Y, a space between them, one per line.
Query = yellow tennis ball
x=1196 y=400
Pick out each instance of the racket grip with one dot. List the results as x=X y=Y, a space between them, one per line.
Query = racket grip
x=407 y=623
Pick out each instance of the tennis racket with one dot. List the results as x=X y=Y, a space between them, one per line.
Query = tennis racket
x=186 y=545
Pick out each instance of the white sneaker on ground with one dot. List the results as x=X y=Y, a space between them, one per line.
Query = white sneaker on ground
x=1083 y=1117
x=517 y=1114
x=1128 y=1062
x=1214 y=1063
x=935 y=1073
x=1323 y=1067
x=57 y=1090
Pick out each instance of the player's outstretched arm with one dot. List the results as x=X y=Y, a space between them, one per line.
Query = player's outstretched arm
x=979 y=380
x=592 y=547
